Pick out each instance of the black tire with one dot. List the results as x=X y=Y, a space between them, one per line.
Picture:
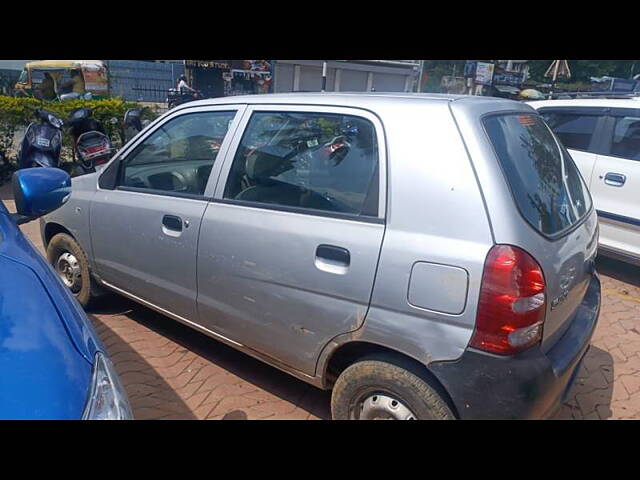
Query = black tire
x=371 y=376
x=63 y=243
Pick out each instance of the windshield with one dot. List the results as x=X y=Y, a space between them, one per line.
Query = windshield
x=545 y=183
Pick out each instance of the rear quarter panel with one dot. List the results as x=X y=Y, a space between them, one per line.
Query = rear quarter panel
x=565 y=259
x=436 y=215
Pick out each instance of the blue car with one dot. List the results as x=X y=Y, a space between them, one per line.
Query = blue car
x=52 y=363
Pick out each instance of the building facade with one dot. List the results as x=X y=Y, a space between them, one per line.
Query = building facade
x=346 y=75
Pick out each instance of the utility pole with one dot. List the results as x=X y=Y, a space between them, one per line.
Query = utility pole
x=555 y=76
x=324 y=76
x=419 y=88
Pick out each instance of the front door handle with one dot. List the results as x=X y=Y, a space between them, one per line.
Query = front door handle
x=332 y=259
x=172 y=225
x=615 y=179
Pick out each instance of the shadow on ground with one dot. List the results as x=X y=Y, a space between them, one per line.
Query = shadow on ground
x=621 y=271
x=591 y=395
x=153 y=384
x=270 y=379
x=6 y=192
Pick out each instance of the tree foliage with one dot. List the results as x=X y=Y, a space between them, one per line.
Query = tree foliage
x=582 y=70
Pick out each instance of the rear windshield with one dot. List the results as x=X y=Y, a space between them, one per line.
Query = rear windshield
x=544 y=181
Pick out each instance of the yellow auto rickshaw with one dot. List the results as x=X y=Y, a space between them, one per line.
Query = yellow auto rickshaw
x=64 y=79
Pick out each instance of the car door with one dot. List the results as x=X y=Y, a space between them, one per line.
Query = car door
x=578 y=128
x=289 y=245
x=144 y=227
x=616 y=183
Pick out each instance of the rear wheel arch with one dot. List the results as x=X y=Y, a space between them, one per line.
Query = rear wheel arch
x=352 y=352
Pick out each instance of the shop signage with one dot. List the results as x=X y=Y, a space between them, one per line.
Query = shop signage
x=484 y=73
x=505 y=77
x=221 y=64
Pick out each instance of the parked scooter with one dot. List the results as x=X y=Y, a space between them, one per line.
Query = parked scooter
x=92 y=147
x=132 y=123
x=175 y=98
x=42 y=142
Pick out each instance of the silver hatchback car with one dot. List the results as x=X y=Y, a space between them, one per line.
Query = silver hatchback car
x=423 y=256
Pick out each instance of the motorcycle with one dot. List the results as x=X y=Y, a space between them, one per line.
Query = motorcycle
x=42 y=142
x=175 y=98
x=132 y=123
x=92 y=146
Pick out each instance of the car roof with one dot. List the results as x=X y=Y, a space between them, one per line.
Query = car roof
x=589 y=102
x=354 y=99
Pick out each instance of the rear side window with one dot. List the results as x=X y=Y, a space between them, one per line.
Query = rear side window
x=544 y=181
x=316 y=161
x=626 y=138
x=574 y=130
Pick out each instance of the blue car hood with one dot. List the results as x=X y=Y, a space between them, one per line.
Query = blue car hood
x=47 y=344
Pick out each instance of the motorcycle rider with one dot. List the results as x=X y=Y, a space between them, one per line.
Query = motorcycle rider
x=183 y=86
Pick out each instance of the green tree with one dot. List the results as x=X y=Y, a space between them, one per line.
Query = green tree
x=436 y=69
x=581 y=70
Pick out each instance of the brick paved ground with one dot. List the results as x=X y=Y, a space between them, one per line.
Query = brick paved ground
x=171 y=371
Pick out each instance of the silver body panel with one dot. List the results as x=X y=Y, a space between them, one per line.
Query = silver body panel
x=567 y=261
x=250 y=275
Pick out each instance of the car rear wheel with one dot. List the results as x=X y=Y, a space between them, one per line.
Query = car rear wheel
x=71 y=264
x=375 y=389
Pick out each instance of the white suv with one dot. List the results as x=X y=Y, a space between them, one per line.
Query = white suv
x=603 y=137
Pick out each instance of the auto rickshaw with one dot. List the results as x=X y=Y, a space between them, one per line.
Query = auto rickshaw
x=50 y=79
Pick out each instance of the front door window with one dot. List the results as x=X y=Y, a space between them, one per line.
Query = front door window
x=178 y=157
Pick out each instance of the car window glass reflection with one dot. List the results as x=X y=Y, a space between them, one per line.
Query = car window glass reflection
x=179 y=155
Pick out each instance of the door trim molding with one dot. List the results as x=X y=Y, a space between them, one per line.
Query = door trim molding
x=169 y=314
x=618 y=218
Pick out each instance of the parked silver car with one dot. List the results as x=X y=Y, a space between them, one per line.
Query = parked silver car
x=423 y=256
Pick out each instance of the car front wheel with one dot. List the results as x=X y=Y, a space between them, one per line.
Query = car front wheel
x=71 y=264
x=375 y=389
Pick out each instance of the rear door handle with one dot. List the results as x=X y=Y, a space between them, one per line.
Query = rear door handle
x=615 y=179
x=172 y=225
x=332 y=259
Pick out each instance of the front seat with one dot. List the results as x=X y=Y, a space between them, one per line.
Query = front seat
x=260 y=167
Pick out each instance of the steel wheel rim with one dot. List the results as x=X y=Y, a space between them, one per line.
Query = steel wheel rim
x=382 y=406
x=69 y=271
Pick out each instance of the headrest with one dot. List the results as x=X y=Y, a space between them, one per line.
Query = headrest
x=268 y=161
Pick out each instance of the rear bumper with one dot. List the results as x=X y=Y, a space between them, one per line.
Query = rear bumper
x=532 y=384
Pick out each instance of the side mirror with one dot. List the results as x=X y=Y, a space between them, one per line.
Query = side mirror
x=38 y=191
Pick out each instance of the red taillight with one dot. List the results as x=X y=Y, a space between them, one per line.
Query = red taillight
x=512 y=302
x=96 y=148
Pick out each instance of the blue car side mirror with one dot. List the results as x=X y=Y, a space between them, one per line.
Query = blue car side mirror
x=38 y=191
